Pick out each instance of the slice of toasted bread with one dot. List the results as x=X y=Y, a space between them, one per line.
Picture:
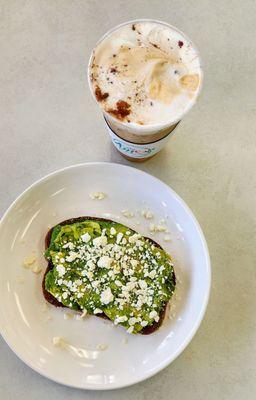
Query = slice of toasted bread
x=52 y=300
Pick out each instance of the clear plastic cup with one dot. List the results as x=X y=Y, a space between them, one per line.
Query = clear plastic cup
x=135 y=134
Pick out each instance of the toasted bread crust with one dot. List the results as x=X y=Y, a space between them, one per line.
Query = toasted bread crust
x=52 y=300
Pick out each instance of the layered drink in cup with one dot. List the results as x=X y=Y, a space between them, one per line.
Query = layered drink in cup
x=145 y=75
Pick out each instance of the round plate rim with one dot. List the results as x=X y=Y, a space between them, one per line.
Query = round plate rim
x=197 y=323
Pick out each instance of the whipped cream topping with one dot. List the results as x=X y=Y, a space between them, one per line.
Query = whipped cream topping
x=145 y=73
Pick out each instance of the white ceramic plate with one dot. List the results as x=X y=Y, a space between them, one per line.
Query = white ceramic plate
x=29 y=329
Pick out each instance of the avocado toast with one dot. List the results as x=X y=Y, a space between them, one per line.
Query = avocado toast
x=106 y=269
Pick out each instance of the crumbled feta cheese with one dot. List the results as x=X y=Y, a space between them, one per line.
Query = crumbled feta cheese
x=157 y=228
x=134 y=263
x=152 y=274
x=67 y=315
x=106 y=296
x=121 y=301
x=130 y=285
x=89 y=274
x=86 y=237
x=69 y=246
x=167 y=238
x=153 y=314
x=111 y=274
x=114 y=258
x=134 y=238
x=72 y=256
x=97 y=311
x=102 y=346
x=147 y=214
x=132 y=321
x=130 y=330
x=116 y=269
x=57 y=341
x=143 y=284
x=120 y=319
x=29 y=260
x=91 y=265
x=104 y=262
x=127 y=213
x=112 y=231
x=98 y=195
x=61 y=270
x=36 y=269
x=119 y=237
x=100 y=241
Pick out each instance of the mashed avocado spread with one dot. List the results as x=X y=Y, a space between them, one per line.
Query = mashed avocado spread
x=105 y=267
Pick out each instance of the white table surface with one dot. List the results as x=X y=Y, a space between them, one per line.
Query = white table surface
x=49 y=120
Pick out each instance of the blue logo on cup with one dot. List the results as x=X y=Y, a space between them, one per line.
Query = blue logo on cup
x=132 y=150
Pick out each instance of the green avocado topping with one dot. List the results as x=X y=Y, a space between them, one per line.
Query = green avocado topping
x=105 y=267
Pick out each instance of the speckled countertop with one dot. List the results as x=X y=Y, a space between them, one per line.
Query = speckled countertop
x=49 y=120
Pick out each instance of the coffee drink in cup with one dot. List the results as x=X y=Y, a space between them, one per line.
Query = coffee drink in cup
x=145 y=75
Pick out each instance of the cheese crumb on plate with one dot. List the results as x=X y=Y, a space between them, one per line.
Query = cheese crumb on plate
x=127 y=213
x=29 y=260
x=98 y=195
